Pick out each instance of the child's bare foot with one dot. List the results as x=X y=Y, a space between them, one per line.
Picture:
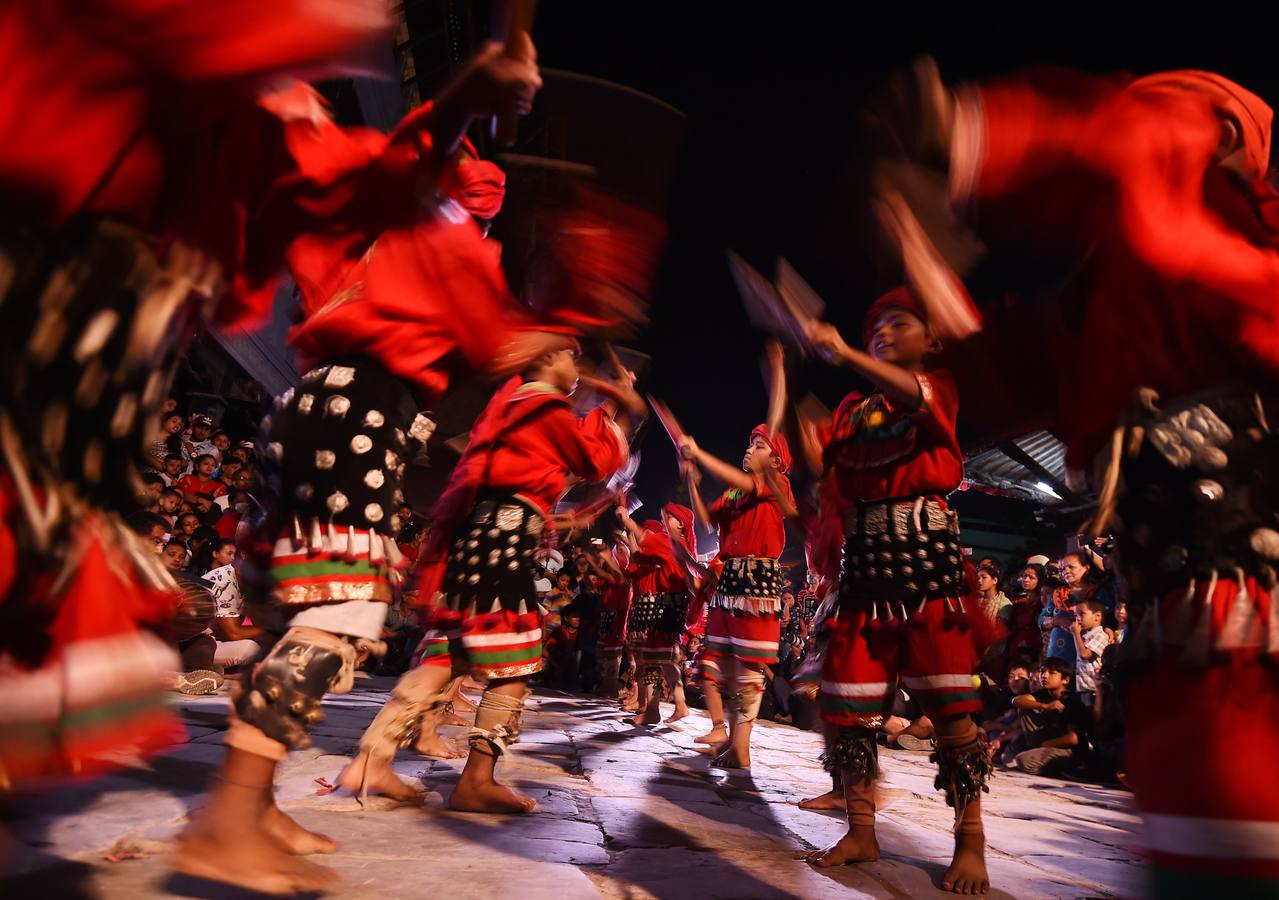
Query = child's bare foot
x=717 y=735
x=378 y=779
x=858 y=845
x=832 y=799
x=430 y=743
x=247 y=857
x=732 y=758
x=677 y=715
x=489 y=797
x=299 y=841
x=967 y=872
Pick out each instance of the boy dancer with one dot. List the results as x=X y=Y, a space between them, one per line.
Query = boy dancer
x=489 y=521
x=743 y=627
x=893 y=456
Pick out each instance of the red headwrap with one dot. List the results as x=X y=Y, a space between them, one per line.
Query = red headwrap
x=1249 y=110
x=897 y=298
x=478 y=186
x=685 y=517
x=777 y=443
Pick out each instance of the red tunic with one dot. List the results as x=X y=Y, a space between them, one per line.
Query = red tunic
x=527 y=441
x=191 y=484
x=751 y=524
x=654 y=567
x=876 y=452
x=388 y=266
x=1180 y=272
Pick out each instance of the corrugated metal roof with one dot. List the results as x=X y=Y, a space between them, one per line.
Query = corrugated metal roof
x=994 y=468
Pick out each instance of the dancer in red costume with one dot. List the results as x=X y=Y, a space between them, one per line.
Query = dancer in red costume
x=134 y=146
x=488 y=524
x=1154 y=191
x=399 y=293
x=893 y=456
x=743 y=625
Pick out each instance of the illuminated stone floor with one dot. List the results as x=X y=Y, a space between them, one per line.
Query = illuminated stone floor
x=623 y=812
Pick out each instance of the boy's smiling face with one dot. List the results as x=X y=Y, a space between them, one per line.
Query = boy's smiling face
x=901 y=339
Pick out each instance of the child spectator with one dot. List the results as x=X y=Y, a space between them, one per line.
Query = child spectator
x=559 y=597
x=174 y=467
x=1090 y=640
x=188 y=523
x=1050 y=720
x=170 y=504
x=562 y=649
x=237 y=642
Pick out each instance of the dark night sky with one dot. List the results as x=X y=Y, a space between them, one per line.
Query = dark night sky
x=771 y=92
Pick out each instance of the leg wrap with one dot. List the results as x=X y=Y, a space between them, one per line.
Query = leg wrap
x=653 y=676
x=497 y=723
x=284 y=690
x=750 y=693
x=852 y=757
x=417 y=693
x=962 y=771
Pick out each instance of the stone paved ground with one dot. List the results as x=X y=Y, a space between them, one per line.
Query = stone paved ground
x=624 y=813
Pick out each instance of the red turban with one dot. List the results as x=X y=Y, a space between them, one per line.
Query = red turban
x=479 y=187
x=1245 y=107
x=685 y=517
x=776 y=443
x=897 y=298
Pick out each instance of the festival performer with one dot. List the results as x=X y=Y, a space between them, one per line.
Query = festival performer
x=488 y=523
x=390 y=262
x=743 y=627
x=902 y=613
x=1153 y=192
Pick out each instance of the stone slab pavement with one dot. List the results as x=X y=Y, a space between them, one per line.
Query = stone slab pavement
x=623 y=812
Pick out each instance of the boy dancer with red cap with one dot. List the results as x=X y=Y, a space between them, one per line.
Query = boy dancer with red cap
x=743 y=626
x=893 y=456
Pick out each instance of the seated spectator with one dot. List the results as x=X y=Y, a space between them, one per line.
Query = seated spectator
x=561 y=653
x=237 y=642
x=237 y=509
x=201 y=480
x=174 y=468
x=188 y=522
x=152 y=488
x=1024 y=640
x=221 y=442
x=175 y=555
x=199 y=540
x=195 y=442
x=228 y=467
x=1003 y=731
x=207 y=509
x=170 y=505
x=150 y=527
x=165 y=441
x=1050 y=719
x=242 y=480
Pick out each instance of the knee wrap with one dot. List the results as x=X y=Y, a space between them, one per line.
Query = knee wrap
x=962 y=772
x=400 y=720
x=284 y=690
x=653 y=676
x=497 y=723
x=750 y=693
x=853 y=756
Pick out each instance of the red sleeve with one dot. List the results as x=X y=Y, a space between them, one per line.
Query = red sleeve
x=591 y=446
x=652 y=549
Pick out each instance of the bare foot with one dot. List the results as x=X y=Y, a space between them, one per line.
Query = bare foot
x=430 y=743
x=299 y=841
x=247 y=856
x=732 y=759
x=967 y=872
x=449 y=717
x=378 y=779
x=859 y=845
x=489 y=797
x=832 y=799
x=677 y=715
x=717 y=735
x=630 y=704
